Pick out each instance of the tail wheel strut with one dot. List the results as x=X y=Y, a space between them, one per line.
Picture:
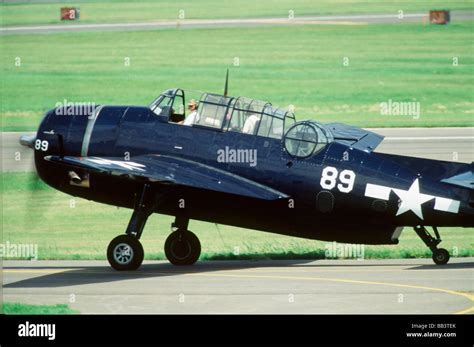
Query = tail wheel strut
x=440 y=255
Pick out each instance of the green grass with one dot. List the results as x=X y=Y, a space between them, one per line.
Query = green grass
x=36 y=214
x=299 y=65
x=93 y=11
x=17 y=308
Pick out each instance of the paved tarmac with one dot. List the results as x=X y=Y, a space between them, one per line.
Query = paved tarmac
x=358 y=19
x=451 y=144
x=411 y=286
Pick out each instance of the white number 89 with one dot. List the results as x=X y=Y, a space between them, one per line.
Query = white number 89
x=41 y=145
x=329 y=178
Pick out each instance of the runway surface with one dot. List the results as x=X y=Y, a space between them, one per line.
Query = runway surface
x=451 y=144
x=226 y=23
x=412 y=286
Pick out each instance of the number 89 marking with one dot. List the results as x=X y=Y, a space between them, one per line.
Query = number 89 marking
x=41 y=145
x=329 y=179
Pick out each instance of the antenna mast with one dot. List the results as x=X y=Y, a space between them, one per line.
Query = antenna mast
x=226 y=82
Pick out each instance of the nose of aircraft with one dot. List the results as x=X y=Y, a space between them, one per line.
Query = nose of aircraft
x=60 y=133
x=63 y=124
x=28 y=140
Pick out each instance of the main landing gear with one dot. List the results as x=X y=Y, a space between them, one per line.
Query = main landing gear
x=440 y=255
x=125 y=252
x=182 y=247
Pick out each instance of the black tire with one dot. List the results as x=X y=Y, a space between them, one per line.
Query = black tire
x=124 y=253
x=441 y=256
x=182 y=248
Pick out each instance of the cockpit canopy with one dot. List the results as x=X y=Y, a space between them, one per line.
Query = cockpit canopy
x=225 y=113
x=247 y=116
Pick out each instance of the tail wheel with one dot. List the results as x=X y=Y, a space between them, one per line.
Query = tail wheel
x=182 y=248
x=125 y=252
x=441 y=256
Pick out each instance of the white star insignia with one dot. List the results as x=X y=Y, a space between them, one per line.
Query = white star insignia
x=412 y=199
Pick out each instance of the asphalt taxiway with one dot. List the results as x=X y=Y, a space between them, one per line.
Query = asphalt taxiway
x=412 y=286
x=350 y=19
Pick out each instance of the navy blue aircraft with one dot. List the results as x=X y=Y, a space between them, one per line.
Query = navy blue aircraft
x=243 y=162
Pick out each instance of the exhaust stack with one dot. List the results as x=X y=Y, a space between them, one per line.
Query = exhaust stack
x=75 y=178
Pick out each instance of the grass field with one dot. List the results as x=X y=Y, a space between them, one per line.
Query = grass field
x=16 y=308
x=103 y=11
x=69 y=228
x=299 y=65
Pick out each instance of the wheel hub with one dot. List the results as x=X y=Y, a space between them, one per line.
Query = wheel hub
x=123 y=253
x=181 y=249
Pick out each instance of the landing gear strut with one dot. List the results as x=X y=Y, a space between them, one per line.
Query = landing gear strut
x=182 y=247
x=440 y=255
x=125 y=252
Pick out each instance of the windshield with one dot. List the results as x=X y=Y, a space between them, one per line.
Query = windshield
x=164 y=100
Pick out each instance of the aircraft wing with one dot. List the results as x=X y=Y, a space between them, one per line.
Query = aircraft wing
x=355 y=137
x=174 y=171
